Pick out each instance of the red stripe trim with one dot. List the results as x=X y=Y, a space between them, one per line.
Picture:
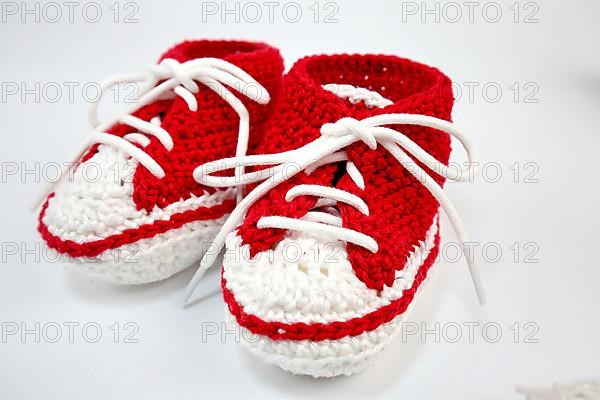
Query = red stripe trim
x=128 y=236
x=333 y=330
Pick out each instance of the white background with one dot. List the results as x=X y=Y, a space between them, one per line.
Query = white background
x=559 y=134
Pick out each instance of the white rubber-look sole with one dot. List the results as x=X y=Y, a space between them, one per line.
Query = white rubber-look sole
x=153 y=259
x=327 y=358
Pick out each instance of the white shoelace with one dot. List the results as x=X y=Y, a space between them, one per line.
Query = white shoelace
x=327 y=149
x=178 y=79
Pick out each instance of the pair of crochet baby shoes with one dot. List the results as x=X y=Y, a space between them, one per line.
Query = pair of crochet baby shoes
x=323 y=186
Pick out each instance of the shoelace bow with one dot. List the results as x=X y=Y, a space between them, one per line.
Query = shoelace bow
x=326 y=149
x=176 y=79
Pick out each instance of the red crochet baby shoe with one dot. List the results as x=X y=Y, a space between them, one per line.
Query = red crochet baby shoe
x=131 y=212
x=337 y=234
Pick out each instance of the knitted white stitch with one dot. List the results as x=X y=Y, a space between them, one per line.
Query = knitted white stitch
x=327 y=358
x=152 y=259
x=89 y=207
x=319 y=359
x=318 y=286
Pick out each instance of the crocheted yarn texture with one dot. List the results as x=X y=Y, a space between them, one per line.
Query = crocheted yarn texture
x=327 y=311
x=126 y=225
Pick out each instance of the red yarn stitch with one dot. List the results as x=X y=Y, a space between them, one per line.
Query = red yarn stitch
x=400 y=207
x=333 y=330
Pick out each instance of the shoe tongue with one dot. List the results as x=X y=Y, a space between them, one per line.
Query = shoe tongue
x=306 y=102
x=259 y=60
x=193 y=49
x=303 y=106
